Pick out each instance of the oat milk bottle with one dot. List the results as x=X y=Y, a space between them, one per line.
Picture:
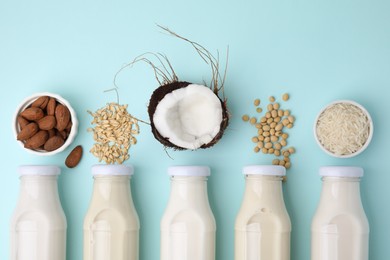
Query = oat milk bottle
x=188 y=225
x=111 y=226
x=340 y=227
x=38 y=225
x=263 y=227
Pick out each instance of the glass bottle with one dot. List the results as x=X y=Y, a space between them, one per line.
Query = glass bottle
x=263 y=227
x=188 y=225
x=111 y=225
x=340 y=227
x=38 y=225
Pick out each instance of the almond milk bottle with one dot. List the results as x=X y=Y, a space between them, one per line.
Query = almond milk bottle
x=38 y=225
x=188 y=225
x=263 y=227
x=111 y=226
x=340 y=227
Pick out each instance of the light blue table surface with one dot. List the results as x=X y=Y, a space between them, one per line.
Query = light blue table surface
x=318 y=51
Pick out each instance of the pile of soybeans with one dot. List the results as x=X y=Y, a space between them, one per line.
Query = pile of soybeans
x=271 y=136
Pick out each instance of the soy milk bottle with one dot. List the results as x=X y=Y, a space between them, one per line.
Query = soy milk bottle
x=111 y=225
x=340 y=228
x=263 y=227
x=38 y=225
x=188 y=225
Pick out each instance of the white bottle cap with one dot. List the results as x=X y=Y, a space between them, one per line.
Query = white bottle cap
x=341 y=171
x=267 y=170
x=45 y=170
x=189 y=171
x=112 y=170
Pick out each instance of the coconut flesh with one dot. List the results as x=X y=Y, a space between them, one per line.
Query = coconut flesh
x=187 y=116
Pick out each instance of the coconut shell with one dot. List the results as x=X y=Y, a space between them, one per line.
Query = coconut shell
x=160 y=93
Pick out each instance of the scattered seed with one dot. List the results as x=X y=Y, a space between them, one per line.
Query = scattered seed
x=245 y=118
x=285 y=97
x=275 y=162
x=271 y=99
x=291 y=150
x=286 y=112
x=253 y=120
x=256 y=102
x=256 y=149
x=259 y=110
x=270 y=107
x=255 y=139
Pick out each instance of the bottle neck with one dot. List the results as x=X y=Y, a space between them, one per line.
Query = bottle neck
x=341 y=191
x=39 y=188
x=264 y=187
x=111 y=189
x=189 y=189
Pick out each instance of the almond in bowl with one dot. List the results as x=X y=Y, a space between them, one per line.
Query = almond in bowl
x=45 y=124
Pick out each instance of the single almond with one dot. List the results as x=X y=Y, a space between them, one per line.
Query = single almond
x=27 y=132
x=52 y=132
x=32 y=113
x=62 y=116
x=41 y=102
x=22 y=122
x=69 y=126
x=62 y=134
x=51 y=107
x=74 y=157
x=37 y=140
x=53 y=143
x=47 y=122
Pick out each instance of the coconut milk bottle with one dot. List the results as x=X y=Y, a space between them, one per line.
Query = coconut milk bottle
x=340 y=228
x=188 y=225
x=263 y=227
x=111 y=225
x=38 y=225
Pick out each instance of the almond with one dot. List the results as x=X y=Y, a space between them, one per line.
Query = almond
x=41 y=102
x=47 y=122
x=27 y=131
x=32 y=113
x=62 y=116
x=52 y=132
x=37 y=140
x=74 y=157
x=22 y=122
x=53 y=143
x=51 y=107
x=62 y=134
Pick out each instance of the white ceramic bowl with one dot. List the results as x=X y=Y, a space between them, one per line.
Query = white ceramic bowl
x=28 y=101
x=361 y=148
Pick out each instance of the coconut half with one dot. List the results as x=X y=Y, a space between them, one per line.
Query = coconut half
x=187 y=116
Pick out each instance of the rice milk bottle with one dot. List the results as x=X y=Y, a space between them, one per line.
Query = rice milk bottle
x=111 y=225
x=263 y=227
x=340 y=228
x=38 y=225
x=188 y=225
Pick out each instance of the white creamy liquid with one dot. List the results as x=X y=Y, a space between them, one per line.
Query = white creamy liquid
x=188 y=225
x=263 y=227
x=340 y=228
x=111 y=226
x=38 y=226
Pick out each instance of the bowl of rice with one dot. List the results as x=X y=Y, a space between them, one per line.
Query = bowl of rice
x=343 y=129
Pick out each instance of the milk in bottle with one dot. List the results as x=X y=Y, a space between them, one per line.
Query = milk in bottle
x=188 y=225
x=340 y=228
x=111 y=225
x=263 y=227
x=38 y=225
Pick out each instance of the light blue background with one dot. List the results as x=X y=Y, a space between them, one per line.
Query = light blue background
x=318 y=51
